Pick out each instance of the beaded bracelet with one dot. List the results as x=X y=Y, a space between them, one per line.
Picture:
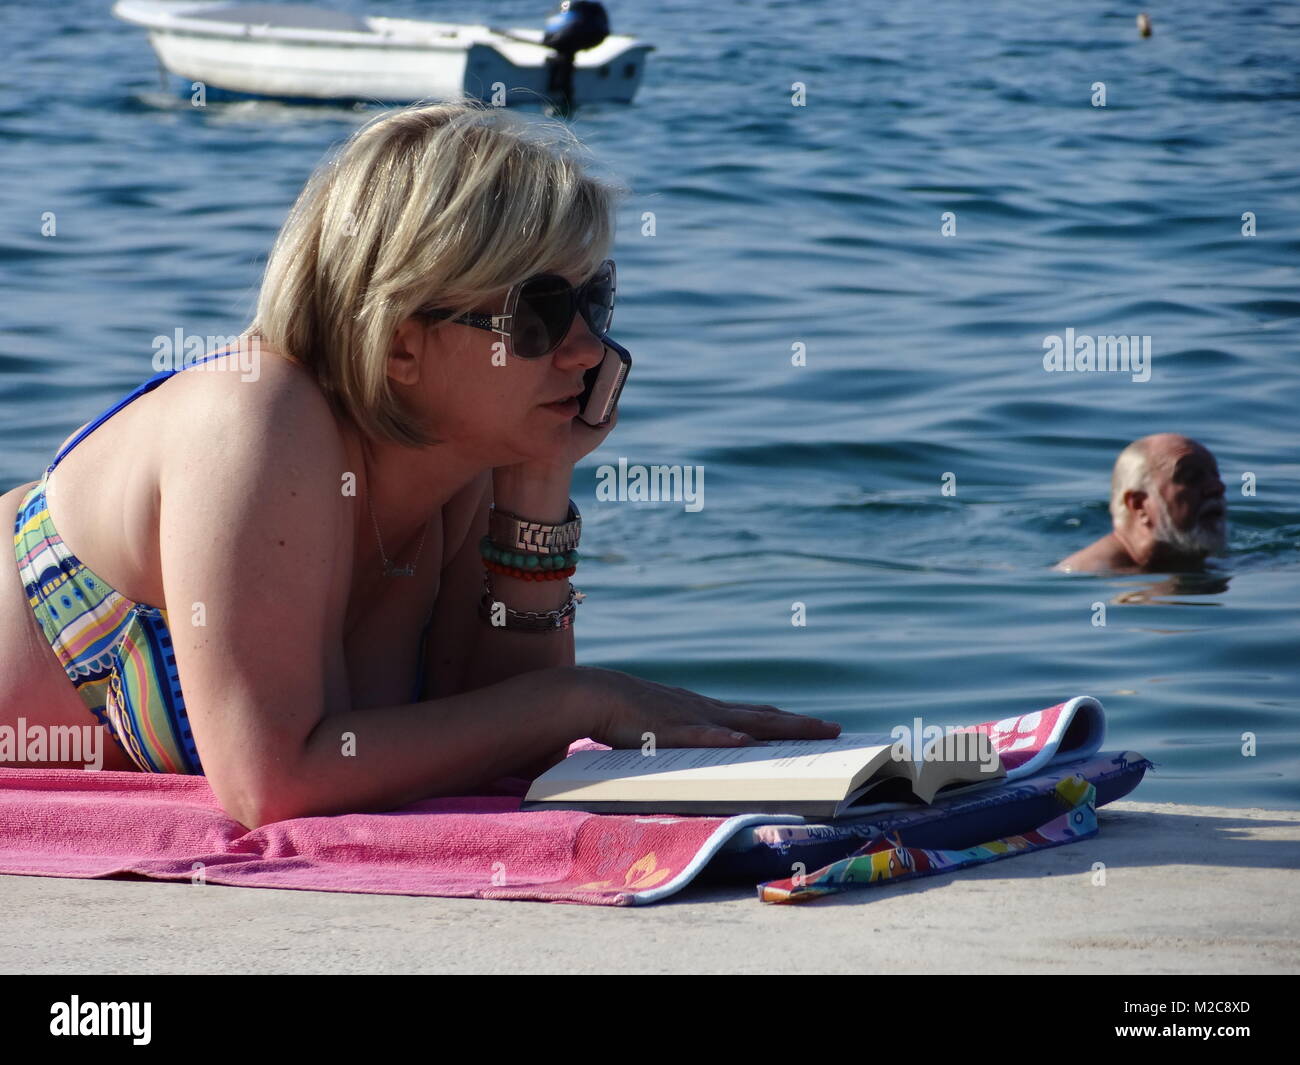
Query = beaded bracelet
x=529 y=574
x=526 y=560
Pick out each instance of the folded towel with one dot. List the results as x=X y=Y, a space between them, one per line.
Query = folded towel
x=890 y=858
x=1031 y=742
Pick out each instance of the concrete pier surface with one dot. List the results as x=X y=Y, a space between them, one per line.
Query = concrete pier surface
x=1187 y=889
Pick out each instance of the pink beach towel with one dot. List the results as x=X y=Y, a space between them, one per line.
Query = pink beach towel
x=73 y=823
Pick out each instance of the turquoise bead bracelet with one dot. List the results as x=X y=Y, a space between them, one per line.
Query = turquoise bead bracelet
x=526 y=560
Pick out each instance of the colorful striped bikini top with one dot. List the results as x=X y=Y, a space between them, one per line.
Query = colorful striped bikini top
x=117 y=653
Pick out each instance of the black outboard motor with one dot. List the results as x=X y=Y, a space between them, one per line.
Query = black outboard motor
x=577 y=26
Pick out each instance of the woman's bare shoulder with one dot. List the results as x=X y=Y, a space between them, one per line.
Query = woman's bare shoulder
x=259 y=395
x=258 y=451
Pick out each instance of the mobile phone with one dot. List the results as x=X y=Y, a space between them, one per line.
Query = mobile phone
x=603 y=384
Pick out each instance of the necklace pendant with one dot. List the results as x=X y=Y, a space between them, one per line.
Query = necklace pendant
x=398 y=571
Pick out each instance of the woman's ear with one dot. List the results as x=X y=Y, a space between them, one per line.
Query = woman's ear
x=406 y=351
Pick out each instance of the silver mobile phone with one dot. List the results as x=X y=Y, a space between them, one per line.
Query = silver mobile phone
x=604 y=384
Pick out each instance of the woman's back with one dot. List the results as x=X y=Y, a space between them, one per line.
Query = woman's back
x=104 y=498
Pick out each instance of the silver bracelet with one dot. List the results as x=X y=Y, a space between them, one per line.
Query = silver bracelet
x=530 y=620
x=510 y=532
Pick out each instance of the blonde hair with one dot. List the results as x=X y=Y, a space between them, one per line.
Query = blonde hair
x=426 y=206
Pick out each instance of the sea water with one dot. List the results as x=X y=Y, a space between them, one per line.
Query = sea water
x=853 y=230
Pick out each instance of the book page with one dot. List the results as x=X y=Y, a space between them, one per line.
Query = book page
x=782 y=758
x=959 y=757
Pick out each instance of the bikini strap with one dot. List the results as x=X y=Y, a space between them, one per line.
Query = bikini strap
x=148 y=386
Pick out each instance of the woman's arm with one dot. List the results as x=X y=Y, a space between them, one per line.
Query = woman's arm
x=256 y=543
x=478 y=654
x=382 y=758
x=256 y=546
x=489 y=653
x=464 y=652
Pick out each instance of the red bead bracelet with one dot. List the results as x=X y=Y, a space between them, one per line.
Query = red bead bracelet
x=529 y=574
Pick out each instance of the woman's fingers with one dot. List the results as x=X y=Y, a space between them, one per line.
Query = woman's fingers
x=704 y=736
x=759 y=721
x=766 y=708
x=773 y=722
x=679 y=717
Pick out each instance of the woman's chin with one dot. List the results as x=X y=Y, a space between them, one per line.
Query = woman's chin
x=545 y=448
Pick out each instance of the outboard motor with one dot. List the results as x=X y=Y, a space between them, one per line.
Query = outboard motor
x=577 y=26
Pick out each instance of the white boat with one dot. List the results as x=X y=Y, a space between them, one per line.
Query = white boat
x=300 y=51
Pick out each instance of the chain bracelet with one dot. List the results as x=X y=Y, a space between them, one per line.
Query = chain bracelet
x=531 y=620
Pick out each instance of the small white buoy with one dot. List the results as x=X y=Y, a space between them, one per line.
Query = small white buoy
x=1144 y=24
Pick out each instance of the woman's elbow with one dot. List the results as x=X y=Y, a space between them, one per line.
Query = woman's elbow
x=256 y=801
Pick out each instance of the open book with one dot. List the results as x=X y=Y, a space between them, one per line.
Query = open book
x=818 y=778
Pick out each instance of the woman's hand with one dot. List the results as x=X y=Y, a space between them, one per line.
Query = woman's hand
x=628 y=707
x=583 y=440
x=586 y=438
x=539 y=490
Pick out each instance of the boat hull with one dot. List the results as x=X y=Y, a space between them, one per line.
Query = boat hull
x=376 y=59
x=277 y=69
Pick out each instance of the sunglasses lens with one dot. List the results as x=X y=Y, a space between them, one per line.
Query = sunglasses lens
x=545 y=309
x=542 y=316
x=598 y=307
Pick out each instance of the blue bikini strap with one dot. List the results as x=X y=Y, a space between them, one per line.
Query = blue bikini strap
x=148 y=386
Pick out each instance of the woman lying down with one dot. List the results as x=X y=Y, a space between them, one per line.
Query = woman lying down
x=332 y=573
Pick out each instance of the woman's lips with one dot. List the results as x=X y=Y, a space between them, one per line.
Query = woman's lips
x=567 y=407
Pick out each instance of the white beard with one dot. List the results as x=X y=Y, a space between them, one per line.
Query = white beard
x=1200 y=539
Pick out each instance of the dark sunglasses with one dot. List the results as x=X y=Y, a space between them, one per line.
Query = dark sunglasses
x=539 y=311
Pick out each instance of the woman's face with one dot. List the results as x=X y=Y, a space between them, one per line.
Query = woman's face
x=487 y=404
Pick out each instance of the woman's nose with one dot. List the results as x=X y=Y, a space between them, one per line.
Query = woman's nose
x=581 y=347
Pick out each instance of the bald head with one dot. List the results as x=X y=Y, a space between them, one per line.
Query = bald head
x=1140 y=463
x=1166 y=506
x=1175 y=481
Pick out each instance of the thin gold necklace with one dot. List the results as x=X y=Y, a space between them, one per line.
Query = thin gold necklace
x=390 y=569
